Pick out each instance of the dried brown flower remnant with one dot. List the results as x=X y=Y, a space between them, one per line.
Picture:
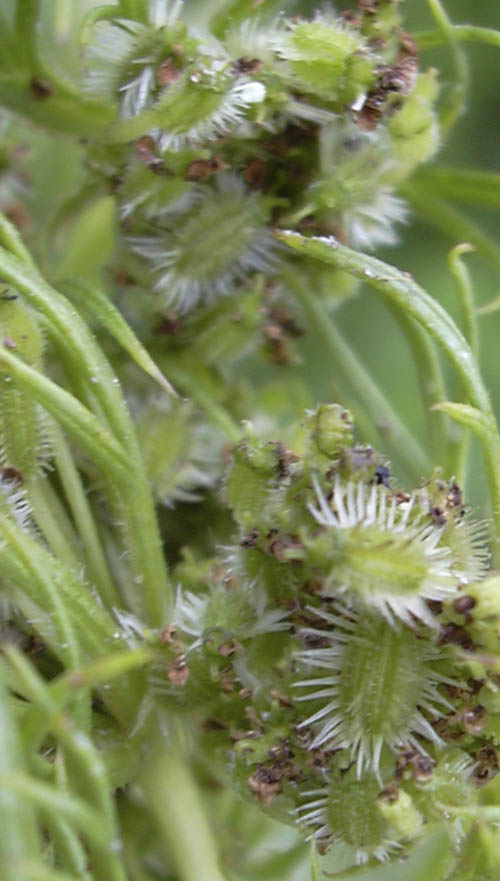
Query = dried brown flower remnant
x=246 y=65
x=167 y=72
x=40 y=88
x=202 y=169
x=177 y=671
x=265 y=783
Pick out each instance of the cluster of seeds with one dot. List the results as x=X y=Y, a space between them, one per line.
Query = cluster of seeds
x=225 y=128
x=334 y=653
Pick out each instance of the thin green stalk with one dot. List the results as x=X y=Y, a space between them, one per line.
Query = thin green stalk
x=89 y=298
x=45 y=797
x=400 y=288
x=173 y=797
x=374 y=402
x=87 y=776
x=466 y=295
x=432 y=388
x=137 y=10
x=12 y=241
x=70 y=851
x=53 y=522
x=470 y=331
x=452 y=109
x=65 y=613
x=465 y=33
x=19 y=544
x=18 y=835
x=82 y=514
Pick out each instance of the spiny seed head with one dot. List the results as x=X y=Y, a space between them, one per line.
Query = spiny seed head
x=197 y=109
x=238 y=611
x=123 y=57
x=372 y=685
x=386 y=552
x=25 y=428
x=14 y=502
x=346 y=813
x=450 y=786
x=212 y=248
x=327 y=58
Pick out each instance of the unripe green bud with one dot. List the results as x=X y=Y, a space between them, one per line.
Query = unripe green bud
x=330 y=427
x=399 y=809
x=328 y=59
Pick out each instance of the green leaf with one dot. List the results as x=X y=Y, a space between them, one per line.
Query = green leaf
x=92 y=300
x=314 y=869
x=471 y=418
x=73 y=416
x=18 y=836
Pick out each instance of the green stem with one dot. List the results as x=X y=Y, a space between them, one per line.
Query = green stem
x=18 y=836
x=432 y=387
x=53 y=522
x=465 y=33
x=69 y=849
x=136 y=10
x=400 y=288
x=466 y=295
x=470 y=331
x=384 y=418
x=45 y=797
x=174 y=799
x=451 y=110
x=12 y=241
x=20 y=544
x=82 y=513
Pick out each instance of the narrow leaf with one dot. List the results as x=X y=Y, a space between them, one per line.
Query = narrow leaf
x=90 y=298
x=73 y=416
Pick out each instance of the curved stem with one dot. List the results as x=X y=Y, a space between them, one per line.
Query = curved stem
x=175 y=802
x=400 y=288
x=432 y=387
x=82 y=514
x=453 y=107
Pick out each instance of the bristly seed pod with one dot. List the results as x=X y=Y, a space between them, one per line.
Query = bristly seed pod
x=213 y=247
x=377 y=687
x=386 y=553
x=347 y=813
x=24 y=426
